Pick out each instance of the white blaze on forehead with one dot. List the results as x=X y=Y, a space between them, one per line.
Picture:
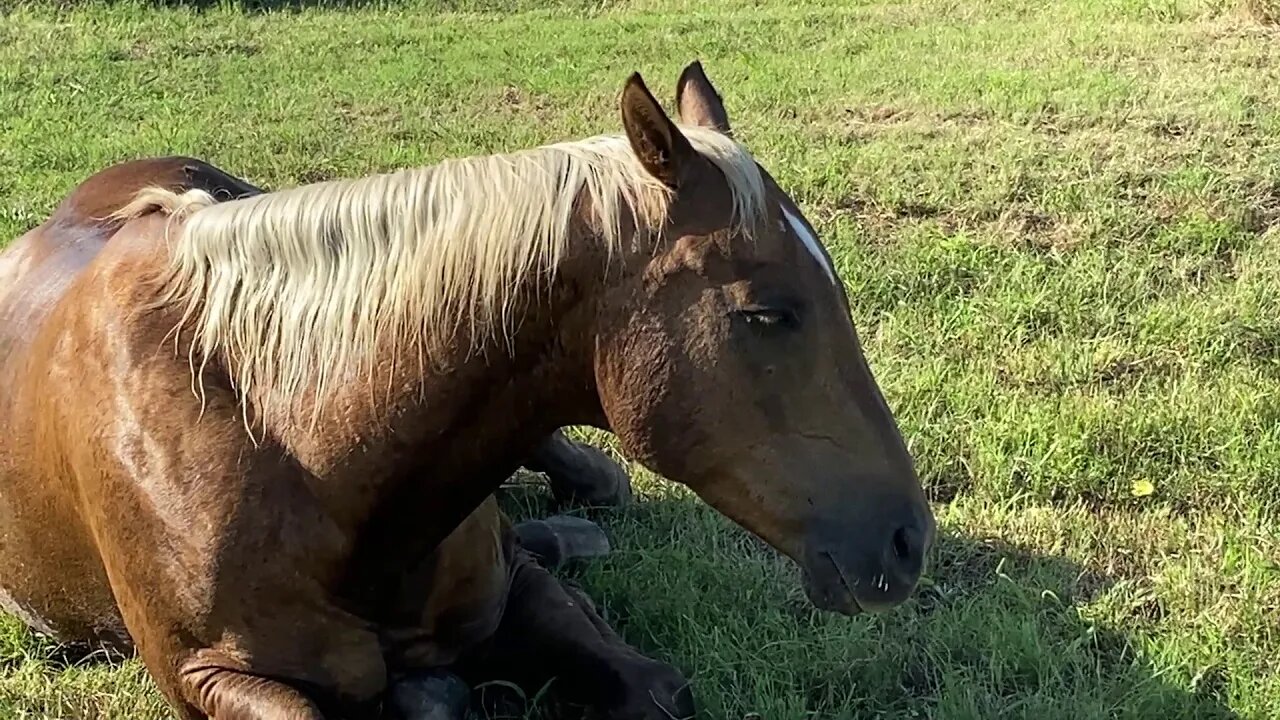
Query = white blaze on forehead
x=810 y=243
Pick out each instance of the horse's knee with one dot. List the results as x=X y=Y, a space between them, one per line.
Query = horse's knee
x=221 y=686
x=219 y=692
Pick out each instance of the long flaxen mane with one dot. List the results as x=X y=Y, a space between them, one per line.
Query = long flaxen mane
x=297 y=288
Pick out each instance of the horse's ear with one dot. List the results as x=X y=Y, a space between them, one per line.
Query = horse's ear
x=660 y=146
x=698 y=101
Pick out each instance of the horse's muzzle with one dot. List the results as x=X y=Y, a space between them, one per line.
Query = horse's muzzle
x=868 y=573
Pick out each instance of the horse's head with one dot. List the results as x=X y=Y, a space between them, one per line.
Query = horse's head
x=730 y=363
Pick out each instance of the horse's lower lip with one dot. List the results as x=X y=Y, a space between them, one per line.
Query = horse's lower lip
x=844 y=580
x=843 y=603
x=834 y=595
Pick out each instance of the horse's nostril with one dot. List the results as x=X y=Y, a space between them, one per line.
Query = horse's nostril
x=902 y=546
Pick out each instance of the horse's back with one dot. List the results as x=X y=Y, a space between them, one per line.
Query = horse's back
x=37 y=268
x=50 y=572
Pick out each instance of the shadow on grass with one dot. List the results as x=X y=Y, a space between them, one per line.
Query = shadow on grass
x=996 y=631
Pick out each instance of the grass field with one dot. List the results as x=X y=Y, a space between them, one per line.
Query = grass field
x=1056 y=220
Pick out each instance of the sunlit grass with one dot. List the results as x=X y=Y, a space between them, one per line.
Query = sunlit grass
x=1056 y=221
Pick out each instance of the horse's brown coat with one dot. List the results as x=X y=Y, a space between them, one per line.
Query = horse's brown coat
x=260 y=576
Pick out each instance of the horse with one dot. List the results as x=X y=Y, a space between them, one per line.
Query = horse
x=254 y=437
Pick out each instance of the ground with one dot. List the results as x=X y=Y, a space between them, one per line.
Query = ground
x=1056 y=221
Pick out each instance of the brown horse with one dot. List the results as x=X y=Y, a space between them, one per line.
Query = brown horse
x=256 y=436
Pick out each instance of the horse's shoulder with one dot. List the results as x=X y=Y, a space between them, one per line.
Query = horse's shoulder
x=125 y=276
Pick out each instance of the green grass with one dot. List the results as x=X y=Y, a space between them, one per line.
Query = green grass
x=1056 y=221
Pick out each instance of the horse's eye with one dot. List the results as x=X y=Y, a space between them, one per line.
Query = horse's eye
x=771 y=317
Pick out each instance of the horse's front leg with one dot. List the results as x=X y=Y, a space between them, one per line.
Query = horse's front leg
x=550 y=633
x=217 y=693
x=579 y=473
x=466 y=559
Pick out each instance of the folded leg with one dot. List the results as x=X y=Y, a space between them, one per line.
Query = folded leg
x=548 y=634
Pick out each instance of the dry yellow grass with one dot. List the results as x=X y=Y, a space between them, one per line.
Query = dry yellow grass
x=1264 y=11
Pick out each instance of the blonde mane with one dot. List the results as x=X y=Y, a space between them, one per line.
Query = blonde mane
x=294 y=289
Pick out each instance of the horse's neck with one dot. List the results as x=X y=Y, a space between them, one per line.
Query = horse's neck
x=456 y=433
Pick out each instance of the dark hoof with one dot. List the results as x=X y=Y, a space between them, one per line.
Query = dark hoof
x=655 y=691
x=580 y=474
x=430 y=696
x=556 y=540
x=668 y=696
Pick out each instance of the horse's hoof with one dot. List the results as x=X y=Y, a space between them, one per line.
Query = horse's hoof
x=580 y=474
x=596 y=480
x=652 y=691
x=430 y=696
x=556 y=540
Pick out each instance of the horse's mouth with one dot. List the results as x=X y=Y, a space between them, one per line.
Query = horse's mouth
x=829 y=587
